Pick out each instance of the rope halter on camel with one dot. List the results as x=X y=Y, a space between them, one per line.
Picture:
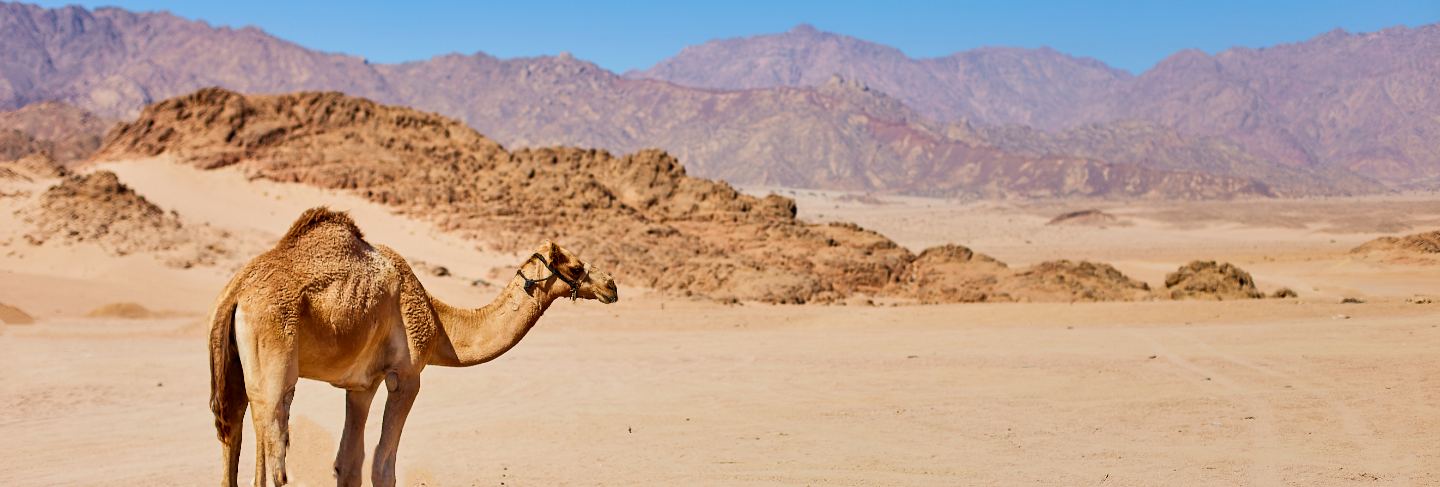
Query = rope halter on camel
x=574 y=284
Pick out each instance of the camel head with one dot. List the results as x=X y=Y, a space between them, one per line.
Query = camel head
x=556 y=270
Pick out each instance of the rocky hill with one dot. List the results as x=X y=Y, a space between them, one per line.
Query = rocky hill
x=639 y=214
x=839 y=133
x=62 y=132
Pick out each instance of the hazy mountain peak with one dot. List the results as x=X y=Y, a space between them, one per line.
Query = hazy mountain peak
x=804 y=28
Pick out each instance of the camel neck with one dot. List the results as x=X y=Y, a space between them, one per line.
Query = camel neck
x=475 y=336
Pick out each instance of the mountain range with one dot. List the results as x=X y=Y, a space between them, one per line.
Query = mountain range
x=1338 y=114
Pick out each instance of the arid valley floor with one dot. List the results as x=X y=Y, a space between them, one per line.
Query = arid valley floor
x=661 y=390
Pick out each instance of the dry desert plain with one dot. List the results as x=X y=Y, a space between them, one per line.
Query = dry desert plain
x=658 y=390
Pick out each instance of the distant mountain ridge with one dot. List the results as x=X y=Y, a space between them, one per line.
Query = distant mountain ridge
x=991 y=85
x=843 y=132
x=1338 y=102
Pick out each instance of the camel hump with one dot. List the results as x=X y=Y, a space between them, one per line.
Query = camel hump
x=317 y=217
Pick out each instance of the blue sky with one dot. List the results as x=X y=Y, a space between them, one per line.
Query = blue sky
x=1130 y=35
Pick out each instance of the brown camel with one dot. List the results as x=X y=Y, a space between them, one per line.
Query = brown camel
x=325 y=304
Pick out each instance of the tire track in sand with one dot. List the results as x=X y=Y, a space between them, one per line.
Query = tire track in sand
x=1265 y=460
x=1374 y=451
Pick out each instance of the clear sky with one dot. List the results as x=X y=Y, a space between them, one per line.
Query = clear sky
x=1131 y=35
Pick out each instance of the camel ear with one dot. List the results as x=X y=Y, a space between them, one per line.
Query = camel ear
x=550 y=251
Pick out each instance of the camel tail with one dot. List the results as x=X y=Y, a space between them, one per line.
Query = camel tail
x=227 y=379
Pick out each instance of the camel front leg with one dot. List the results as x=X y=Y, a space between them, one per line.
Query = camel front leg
x=402 y=392
x=350 y=460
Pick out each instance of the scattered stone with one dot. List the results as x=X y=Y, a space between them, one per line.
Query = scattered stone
x=1284 y=292
x=428 y=268
x=1418 y=300
x=1342 y=317
x=1350 y=300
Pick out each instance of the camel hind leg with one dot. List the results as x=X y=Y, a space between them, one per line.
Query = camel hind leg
x=232 y=437
x=271 y=363
x=228 y=400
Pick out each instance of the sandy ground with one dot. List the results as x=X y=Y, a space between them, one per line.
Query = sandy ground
x=1260 y=393
x=655 y=391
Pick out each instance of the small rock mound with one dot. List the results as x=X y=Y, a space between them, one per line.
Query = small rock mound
x=1091 y=216
x=956 y=274
x=11 y=315
x=1063 y=280
x=1284 y=292
x=1211 y=280
x=98 y=208
x=125 y=310
x=1410 y=248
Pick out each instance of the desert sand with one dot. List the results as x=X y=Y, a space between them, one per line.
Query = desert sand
x=660 y=390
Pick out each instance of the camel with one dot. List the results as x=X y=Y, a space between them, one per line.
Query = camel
x=325 y=304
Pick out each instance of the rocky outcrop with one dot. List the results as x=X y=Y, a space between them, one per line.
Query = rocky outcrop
x=955 y=274
x=1211 y=280
x=1064 y=280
